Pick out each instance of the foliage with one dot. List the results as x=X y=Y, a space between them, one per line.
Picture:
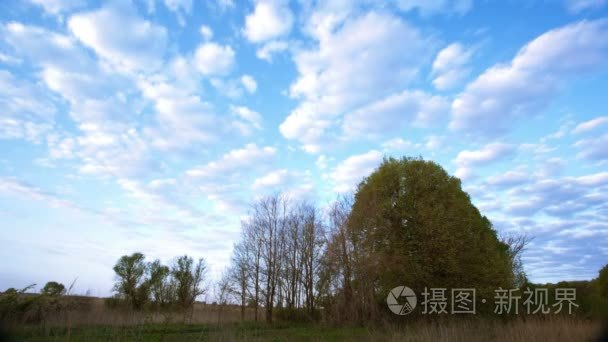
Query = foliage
x=411 y=224
x=414 y=225
x=53 y=289
x=131 y=283
x=603 y=281
x=187 y=279
x=17 y=306
x=161 y=289
x=140 y=284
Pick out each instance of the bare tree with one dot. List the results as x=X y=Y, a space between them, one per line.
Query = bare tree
x=337 y=265
x=517 y=244
x=252 y=241
x=223 y=290
x=312 y=244
x=292 y=261
x=239 y=274
x=278 y=260
x=270 y=214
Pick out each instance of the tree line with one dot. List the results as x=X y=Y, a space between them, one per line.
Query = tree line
x=408 y=223
x=140 y=283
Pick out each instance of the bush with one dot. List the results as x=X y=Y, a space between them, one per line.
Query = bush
x=16 y=306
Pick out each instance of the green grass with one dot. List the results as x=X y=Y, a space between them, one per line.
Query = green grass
x=179 y=332
x=531 y=329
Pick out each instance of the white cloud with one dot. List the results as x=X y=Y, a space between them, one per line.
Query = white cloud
x=399 y=144
x=434 y=142
x=225 y=4
x=352 y=170
x=252 y=117
x=293 y=184
x=214 y=59
x=231 y=88
x=590 y=125
x=182 y=123
x=179 y=5
x=509 y=178
x=44 y=47
x=249 y=120
x=272 y=179
x=450 y=66
x=180 y=8
x=108 y=145
x=249 y=83
x=468 y=159
x=60 y=148
x=322 y=161
x=77 y=86
x=104 y=142
x=593 y=148
x=29 y=192
x=233 y=160
x=576 y=6
x=266 y=51
x=6 y=59
x=307 y=126
x=119 y=35
x=382 y=64
x=183 y=119
x=552 y=247
x=270 y=19
x=179 y=79
x=58 y=6
x=206 y=32
x=395 y=112
x=487 y=154
x=127 y=156
x=595 y=179
x=28 y=111
x=525 y=85
x=429 y=7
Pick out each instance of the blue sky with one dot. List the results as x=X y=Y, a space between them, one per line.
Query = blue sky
x=151 y=125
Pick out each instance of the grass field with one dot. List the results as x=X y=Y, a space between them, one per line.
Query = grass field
x=552 y=329
x=90 y=319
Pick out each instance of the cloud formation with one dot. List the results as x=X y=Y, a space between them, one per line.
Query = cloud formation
x=524 y=86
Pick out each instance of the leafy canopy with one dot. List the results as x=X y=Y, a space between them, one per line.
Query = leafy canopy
x=413 y=225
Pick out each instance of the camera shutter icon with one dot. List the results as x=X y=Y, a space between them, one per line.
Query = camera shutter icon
x=401 y=300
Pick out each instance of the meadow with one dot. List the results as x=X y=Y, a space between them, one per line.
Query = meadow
x=91 y=319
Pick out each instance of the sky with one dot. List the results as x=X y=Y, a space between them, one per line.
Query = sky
x=151 y=125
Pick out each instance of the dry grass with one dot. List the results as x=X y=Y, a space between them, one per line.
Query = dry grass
x=96 y=312
x=97 y=322
x=536 y=329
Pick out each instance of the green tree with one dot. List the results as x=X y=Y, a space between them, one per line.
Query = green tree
x=412 y=224
x=160 y=287
x=131 y=283
x=603 y=281
x=53 y=289
x=187 y=278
